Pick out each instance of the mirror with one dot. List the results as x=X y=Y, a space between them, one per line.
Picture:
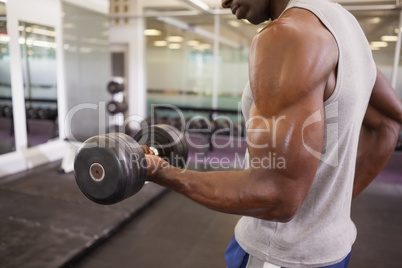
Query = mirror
x=38 y=56
x=7 y=141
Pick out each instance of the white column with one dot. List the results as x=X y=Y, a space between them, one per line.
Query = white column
x=215 y=85
x=137 y=94
x=132 y=35
x=17 y=83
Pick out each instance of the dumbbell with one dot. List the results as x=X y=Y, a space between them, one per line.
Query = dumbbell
x=47 y=113
x=110 y=168
x=8 y=111
x=114 y=87
x=32 y=113
x=44 y=113
x=114 y=107
x=222 y=126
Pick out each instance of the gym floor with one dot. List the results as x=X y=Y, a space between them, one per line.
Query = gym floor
x=46 y=222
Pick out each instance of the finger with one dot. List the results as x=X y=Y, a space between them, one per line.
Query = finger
x=147 y=150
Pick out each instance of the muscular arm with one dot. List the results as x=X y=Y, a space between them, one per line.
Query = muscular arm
x=288 y=76
x=379 y=133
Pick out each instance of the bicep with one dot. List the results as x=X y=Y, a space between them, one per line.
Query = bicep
x=285 y=147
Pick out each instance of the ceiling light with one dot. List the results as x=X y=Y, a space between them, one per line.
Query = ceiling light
x=4 y=38
x=68 y=25
x=204 y=46
x=46 y=44
x=379 y=44
x=200 y=4
x=174 y=46
x=193 y=43
x=375 y=20
x=85 y=50
x=152 y=32
x=174 y=39
x=42 y=32
x=160 y=43
x=389 y=38
x=374 y=48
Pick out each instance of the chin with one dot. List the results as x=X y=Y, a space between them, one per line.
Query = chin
x=256 y=21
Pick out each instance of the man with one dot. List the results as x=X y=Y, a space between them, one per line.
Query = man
x=316 y=100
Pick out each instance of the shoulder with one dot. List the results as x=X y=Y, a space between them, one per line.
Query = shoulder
x=294 y=55
x=297 y=28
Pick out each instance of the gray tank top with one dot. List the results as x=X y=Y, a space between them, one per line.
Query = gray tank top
x=322 y=232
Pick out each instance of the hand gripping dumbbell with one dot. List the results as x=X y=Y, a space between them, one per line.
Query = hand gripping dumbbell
x=110 y=168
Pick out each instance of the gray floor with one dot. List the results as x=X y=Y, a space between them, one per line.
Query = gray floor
x=176 y=232
x=45 y=221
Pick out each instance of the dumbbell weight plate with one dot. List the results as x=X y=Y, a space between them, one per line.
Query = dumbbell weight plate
x=168 y=141
x=110 y=168
x=114 y=87
x=114 y=107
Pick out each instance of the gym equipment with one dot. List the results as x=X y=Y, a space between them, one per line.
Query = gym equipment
x=114 y=107
x=112 y=167
x=32 y=113
x=114 y=87
x=44 y=113
x=8 y=111
x=197 y=123
x=222 y=126
x=41 y=113
x=166 y=141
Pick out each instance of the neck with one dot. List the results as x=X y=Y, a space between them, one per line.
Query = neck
x=277 y=7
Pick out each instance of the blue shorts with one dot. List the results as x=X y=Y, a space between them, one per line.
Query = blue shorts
x=236 y=257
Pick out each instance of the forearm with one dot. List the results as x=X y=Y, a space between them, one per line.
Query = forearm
x=231 y=192
x=375 y=149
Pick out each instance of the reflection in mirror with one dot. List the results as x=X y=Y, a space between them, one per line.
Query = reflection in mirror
x=38 y=55
x=7 y=142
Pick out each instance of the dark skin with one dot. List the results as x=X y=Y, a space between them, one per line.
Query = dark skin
x=280 y=53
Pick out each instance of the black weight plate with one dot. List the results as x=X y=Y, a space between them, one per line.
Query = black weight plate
x=114 y=87
x=180 y=147
x=135 y=161
x=114 y=107
x=122 y=177
x=169 y=142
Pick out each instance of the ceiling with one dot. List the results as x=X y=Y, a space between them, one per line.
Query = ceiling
x=375 y=23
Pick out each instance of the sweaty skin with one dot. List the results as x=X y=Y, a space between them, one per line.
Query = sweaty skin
x=292 y=71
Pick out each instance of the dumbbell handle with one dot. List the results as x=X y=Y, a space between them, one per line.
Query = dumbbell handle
x=97 y=172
